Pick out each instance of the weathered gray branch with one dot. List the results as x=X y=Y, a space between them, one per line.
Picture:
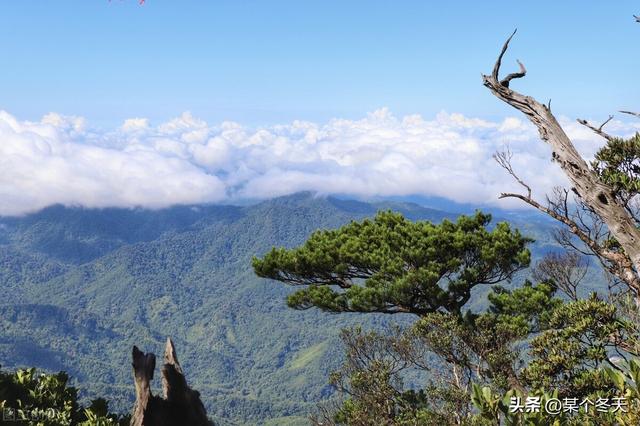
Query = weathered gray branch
x=598 y=130
x=496 y=69
x=636 y=114
x=616 y=263
x=591 y=235
x=503 y=158
x=595 y=194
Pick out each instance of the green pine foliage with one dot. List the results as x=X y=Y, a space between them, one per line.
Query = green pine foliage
x=392 y=265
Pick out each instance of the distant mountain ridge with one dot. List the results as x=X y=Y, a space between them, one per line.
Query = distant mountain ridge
x=81 y=286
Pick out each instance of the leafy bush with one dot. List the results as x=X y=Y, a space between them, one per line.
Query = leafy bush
x=47 y=400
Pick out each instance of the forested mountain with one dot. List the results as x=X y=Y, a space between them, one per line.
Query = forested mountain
x=81 y=286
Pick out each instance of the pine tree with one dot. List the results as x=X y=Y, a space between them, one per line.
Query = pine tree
x=391 y=265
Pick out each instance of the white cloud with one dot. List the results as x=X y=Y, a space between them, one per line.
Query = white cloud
x=185 y=160
x=135 y=124
x=57 y=161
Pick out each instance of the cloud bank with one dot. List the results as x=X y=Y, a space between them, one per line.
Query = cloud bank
x=61 y=160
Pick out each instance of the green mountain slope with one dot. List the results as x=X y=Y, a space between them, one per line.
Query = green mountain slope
x=82 y=286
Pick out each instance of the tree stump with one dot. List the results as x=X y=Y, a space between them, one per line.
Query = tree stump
x=180 y=406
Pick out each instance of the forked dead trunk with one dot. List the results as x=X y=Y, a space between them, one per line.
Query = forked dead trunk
x=180 y=406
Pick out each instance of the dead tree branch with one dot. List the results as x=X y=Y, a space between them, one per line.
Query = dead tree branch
x=595 y=194
x=503 y=158
x=635 y=114
x=598 y=130
x=590 y=234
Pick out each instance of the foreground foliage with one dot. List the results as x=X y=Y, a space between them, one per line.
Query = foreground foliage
x=534 y=341
x=528 y=344
x=39 y=399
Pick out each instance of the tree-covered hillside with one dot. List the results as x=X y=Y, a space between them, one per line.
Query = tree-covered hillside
x=82 y=286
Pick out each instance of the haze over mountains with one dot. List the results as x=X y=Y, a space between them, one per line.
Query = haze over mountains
x=81 y=286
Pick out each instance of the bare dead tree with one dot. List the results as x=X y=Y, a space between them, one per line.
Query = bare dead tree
x=595 y=197
x=566 y=270
x=181 y=405
x=325 y=413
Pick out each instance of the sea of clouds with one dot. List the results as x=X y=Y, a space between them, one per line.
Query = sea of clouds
x=63 y=160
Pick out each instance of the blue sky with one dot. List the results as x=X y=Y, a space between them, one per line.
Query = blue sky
x=178 y=102
x=265 y=62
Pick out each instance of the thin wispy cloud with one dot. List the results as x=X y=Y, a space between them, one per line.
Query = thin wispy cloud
x=186 y=160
